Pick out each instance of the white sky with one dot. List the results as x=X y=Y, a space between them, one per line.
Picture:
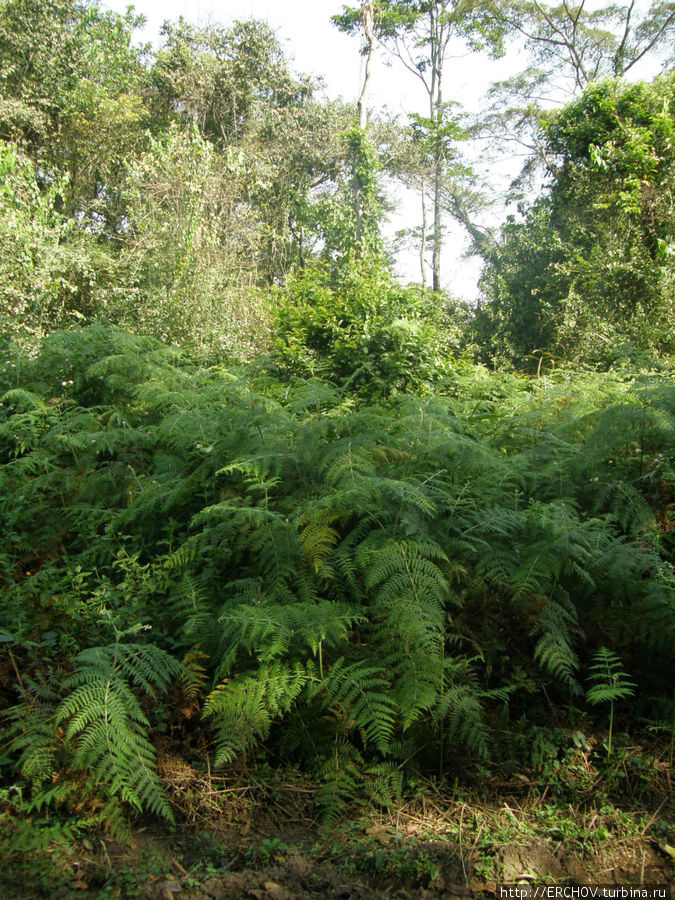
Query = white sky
x=316 y=47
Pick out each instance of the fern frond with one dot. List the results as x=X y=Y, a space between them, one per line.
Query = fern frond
x=384 y=784
x=340 y=777
x=459 y=707
x=318 y=539
x=22 y=399
x=416 y=685
x=554 y=647
x=610 y=682
x=103 y=717
x=244 y=708
x=346 y=459
x=31 y=732
x=361 y=693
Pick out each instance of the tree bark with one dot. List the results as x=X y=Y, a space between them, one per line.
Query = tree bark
x=367 y=20
x=436 y=115
x=423 y=242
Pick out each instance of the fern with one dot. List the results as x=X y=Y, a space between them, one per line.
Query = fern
x=269 y=631
x=320 y=564
x=359 y=693
x=31 y=731
x=610 y=683
x=191 y=609
x=318 y=539
x=104 y=719
x=554 y=647
x=459 y=707
x=384 y=784
x=415 y=684
x=340 y=778
x=244 y=708
x=410 y=591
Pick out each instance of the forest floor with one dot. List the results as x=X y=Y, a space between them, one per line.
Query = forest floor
x=259 y=836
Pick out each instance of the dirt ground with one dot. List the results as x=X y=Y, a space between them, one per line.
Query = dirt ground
x=261 y=838
x=377 y=866
x=426 y=851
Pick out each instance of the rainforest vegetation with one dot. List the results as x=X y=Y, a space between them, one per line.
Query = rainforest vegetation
x=275 y=522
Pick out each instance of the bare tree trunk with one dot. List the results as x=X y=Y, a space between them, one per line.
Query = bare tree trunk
x=423 y=244
x=438 y=229
x=436 y=115
x=367 y=19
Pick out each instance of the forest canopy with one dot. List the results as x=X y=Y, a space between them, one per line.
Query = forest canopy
x=262 y=501
x=166 y=190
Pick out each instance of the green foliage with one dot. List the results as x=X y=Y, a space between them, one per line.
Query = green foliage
x=571 y=46
x=355 y=581
x=160 y=193
x=40 y=263
x=98 y=726
x=360 y=329
x=420 y=35
x=363 y=161
x=218 y=78
x=49 y=50
x=357 y=554
x=183 y=275
x=103 y=717
x=610 y=683
x=588 y=272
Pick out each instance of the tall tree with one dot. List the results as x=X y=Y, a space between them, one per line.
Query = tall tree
x=220 y=78
x=235 y=86
x=591 y=265
x=67 y=69
x=368 y=25
x=73 y=115
x=419 y=34
x=583 y=43
x=570 y=45
x=358 y=145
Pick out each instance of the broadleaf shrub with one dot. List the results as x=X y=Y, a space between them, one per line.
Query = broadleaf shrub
x=357 y=327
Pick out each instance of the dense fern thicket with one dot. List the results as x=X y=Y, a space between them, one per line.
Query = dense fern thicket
x=352 y=588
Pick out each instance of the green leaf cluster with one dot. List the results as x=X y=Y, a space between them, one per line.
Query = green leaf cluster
x=361 y=583
x=587 y=272
x=357 y=327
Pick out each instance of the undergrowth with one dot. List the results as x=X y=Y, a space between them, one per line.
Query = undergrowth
x=362 y=591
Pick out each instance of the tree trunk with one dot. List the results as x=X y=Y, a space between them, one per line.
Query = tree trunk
x=423 y=243
x=367 y=19
x=436 y=115
x=438 y=230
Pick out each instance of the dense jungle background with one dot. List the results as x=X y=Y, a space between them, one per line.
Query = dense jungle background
x=314 y=583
